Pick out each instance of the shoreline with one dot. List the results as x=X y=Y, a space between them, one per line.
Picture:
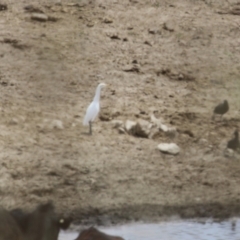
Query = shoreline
x=155 y=213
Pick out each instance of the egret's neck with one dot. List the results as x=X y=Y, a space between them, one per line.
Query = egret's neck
x=97 y=94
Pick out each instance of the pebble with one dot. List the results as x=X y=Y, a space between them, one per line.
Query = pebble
x=203 y=141
x=107 y=20
x=130 y=68
x=90 y=24
x=121 y=130
x=156 y=121
x=172 y=132
x=39 y=17
x=171 y=148
x=113 y=35
x=117 y=123
x=58 y=124
x=32 y=9
x=129 y=125
x=14 y=121
x=152 y=31
x=169 y=26
x=164 y=127
x=228 y=152
x=142 y=128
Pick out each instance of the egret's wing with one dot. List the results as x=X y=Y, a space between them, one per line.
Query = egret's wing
x=96 y=111
x=91 y=113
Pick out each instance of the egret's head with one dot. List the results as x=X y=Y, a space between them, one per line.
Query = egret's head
x=102 y=85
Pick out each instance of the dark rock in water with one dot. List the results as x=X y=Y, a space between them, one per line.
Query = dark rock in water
x=94 y=234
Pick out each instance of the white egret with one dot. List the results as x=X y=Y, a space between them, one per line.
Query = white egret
x=93 y=109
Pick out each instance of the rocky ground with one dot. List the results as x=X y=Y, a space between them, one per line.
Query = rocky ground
x=178 y=59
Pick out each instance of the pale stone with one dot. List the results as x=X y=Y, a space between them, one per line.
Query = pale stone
x=171 y=148
x=129 y=125
x=58 y=124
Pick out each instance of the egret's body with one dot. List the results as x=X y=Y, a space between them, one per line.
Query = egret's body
x=93 y=109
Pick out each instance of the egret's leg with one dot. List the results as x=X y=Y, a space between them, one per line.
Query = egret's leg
x=90 y=128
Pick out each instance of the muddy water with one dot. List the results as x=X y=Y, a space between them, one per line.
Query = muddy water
x=176 y=230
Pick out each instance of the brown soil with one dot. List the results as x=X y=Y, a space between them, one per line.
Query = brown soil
x=180 y=58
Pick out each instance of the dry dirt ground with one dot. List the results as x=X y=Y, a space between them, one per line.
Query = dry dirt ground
x=180 y=58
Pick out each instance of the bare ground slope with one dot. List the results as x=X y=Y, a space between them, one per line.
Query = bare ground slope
x=180 y=58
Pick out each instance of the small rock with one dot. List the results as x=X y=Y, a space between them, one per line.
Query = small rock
x=168 y=26
x=152 y=31
x=57 y=124
x=157 y=122
x=180 y=77
x=185 y=77
x=235 y=11
x=52 y=19
x=155 y=134
x=64 y=10
x=208 y=149
x=130 y=125
x=117 y=123
x=164 y=127
x=121 y=130
x=130 y=68
x=169 y=131
x=3 y=7
x=229 y=152
x=105 y=116
x=39 y=17
x=115 y=112
x=147 y=43
x=142 y=128
x=187 y=132
x=113 y=35
x=73 y=5
x=171 y=148
x=172 y=132
x=32 y=9
x=203 y=141
x=107 y=20
x=90 y=24
x=13 y=121
x=175 y=75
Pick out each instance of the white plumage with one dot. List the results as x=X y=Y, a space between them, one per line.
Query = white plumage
x=92 y=112
x=94 y=108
